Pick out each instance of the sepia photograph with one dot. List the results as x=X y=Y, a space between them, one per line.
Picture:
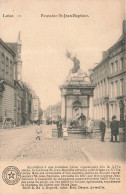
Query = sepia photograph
x=62 y=96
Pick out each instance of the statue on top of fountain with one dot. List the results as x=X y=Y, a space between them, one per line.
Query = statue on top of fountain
x=75 y=71
x=75 y=61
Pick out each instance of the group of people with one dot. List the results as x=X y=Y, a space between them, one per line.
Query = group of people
x=62 y=129
x=89 y=125
x=114 y=125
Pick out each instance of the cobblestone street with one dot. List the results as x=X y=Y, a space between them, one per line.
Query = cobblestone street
x=19 y=144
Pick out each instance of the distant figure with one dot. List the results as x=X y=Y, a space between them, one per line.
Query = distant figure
x=59 y=127
x=90 y=126
x=102 y=126
x=114 y=128
x=38 y=131
x=65 y=131
x=82 y=118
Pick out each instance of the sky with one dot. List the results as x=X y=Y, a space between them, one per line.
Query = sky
x=45 y=40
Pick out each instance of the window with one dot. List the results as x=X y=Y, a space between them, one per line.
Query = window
x=116 y=88
x=7 y=66
x=121 y=87
x=101 y=89
x=104 y=88
x=107 y=86
x=112 y=68
x=121 y=63
x=3 y=62
x=95 y=93
x=116 y=110
x=116 y=66
x=111 y=110
x=98 y=90
x=11 y=68
x=15 y=100
x=111 y=89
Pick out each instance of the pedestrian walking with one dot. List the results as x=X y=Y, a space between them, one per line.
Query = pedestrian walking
x=38 y=131
x=65 y=131
x=59 y=127
x=114 y=128
x=102 y=126
x=89 y=127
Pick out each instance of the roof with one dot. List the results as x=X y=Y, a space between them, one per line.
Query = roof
x=7 y=47
x=117 y=43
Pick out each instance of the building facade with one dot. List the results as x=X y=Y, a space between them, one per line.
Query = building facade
x=16 y=100
x=7 y=57
x=26 y=105
x=53 y=112
x=109 y=78
x=18 y=96
x=35 y=108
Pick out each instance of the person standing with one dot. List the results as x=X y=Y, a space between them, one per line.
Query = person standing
x=38 y=131
x=102 y=126
x=114 y=128
x=59 y=127
x=83 y=120
x=65 y=131
x=90 y=126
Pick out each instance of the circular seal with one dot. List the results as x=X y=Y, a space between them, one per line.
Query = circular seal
x=11 y=175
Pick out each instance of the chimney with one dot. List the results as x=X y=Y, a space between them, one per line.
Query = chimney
x=124 y=27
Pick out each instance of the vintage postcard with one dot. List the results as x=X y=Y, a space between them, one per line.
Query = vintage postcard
x=62 y=97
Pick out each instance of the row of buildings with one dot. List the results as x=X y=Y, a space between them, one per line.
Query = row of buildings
x=109 y=79
x=18 y=102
